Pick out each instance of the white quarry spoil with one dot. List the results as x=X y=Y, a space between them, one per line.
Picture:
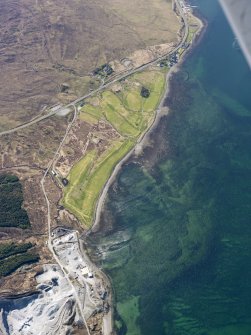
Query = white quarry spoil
x=62 y=291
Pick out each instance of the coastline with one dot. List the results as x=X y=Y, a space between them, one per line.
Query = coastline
x=144 y=138
x=162 y=109
x=184 y=140
x=138 y=148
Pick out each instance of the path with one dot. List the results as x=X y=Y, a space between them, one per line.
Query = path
x=55 y=157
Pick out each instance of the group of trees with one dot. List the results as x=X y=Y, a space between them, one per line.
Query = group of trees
x=9 y=249
x=12 y=255
x=145 y=93
x=11 y=198
x=10 y=264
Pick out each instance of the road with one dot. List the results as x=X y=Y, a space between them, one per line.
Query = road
x=103 y=87
x=52 y=162
x=55 y=157
x=104 y=191
x=50 y=247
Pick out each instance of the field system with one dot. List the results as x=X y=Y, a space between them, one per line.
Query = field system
x=69 y=171
x=124 y=108
x=129 y=114
x=44 y=46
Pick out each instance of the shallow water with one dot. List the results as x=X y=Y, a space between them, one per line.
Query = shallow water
x=176 y=232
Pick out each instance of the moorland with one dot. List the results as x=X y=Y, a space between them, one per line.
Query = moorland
x=49 y=48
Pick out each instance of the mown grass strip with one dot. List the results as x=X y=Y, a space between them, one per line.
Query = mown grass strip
x=88 y=118
x=85 y=185
x=119 y=122
x=130 y=114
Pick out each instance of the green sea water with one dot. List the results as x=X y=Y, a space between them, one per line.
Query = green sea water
x=176 y=231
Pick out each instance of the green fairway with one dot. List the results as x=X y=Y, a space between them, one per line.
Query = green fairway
x=152 y=102
x=88 y=118
x=133 y=100
x=120 y=123
x=88 y=177
x=93 y=111
x=130 y=115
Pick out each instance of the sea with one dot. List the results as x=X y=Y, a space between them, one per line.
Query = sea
x=175 y=235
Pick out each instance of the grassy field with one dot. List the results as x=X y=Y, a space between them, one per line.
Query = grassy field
x=130 y=115
x=89 y=176
x=111 y=29
x=88 y=118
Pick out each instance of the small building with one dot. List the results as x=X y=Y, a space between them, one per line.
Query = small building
x=90 y=275
x=103 y=70
x=65 y=181
x=73 y=275
x=85 y=271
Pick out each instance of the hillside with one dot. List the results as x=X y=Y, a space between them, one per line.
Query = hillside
x=44 y=44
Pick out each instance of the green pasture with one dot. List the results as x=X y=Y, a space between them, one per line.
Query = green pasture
x=130 y=115
x=88 y=177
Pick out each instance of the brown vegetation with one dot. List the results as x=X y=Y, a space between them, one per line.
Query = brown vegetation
x=47 y=43
x=47 y=52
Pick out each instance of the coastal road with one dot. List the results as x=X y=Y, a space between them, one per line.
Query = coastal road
x=106 y=187
x=104 y=86
x=50 y=247
x=55 y=157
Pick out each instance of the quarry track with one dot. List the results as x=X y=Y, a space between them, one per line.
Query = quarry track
x=71 y=105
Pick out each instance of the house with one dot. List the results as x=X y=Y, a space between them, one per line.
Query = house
x=65 y=181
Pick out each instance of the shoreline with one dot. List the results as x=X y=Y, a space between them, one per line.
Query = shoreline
x=162 y=109
x=141 y=143
x=160 y=112
x=138 y=149
x=139 y=146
